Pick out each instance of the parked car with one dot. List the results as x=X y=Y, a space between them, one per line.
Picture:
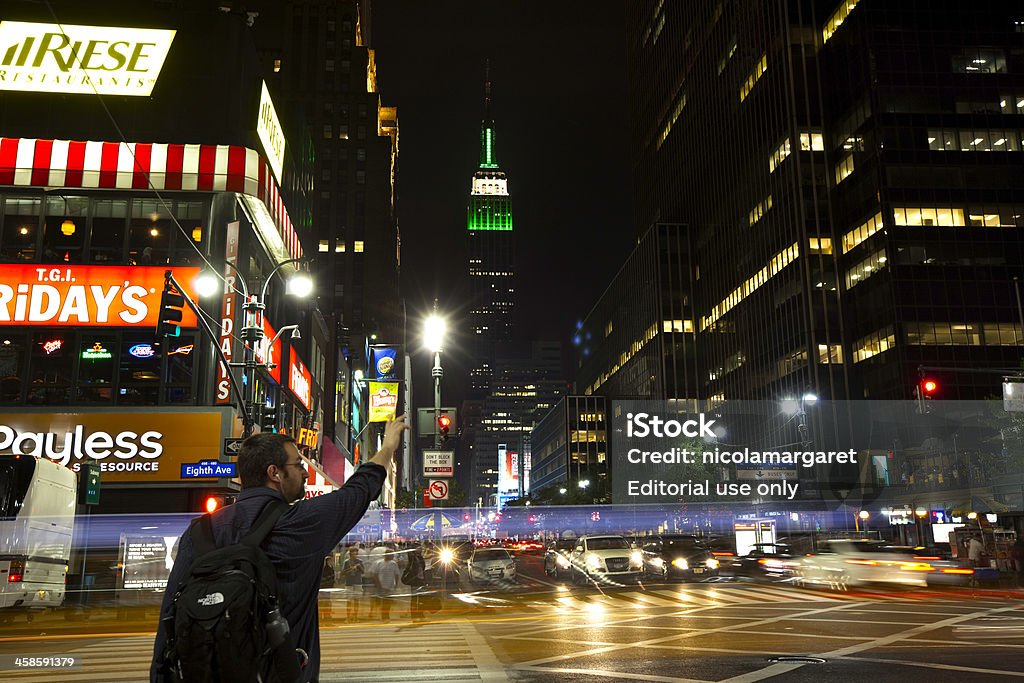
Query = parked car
x=489 y=564
x=768 y=562
x=557 y=558
x=679 y=557
x=605 y=558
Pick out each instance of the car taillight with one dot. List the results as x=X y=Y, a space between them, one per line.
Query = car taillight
x=17 y=571
x=957 y=571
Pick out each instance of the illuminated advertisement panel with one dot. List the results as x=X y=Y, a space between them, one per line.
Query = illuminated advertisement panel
x=270 y=133
x=300 y=381
x=95 y=296
x=270 y=354
x=82 y=60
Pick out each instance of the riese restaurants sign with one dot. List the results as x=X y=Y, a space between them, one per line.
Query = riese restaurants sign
x=72 y=59
x=107 y=296
x=130 y=447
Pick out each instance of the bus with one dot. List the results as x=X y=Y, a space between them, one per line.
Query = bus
x=37 y=520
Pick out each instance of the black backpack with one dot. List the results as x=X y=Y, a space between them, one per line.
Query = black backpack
x=225 y=626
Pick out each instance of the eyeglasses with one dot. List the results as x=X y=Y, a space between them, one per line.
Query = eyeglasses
x=301 y=465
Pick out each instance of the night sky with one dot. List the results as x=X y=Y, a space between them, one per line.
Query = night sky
x=558 y=76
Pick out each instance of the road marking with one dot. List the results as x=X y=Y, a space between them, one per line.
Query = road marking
x=933 y=665
x=612 y=674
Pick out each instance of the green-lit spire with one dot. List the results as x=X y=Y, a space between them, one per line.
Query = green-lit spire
x=487 y=126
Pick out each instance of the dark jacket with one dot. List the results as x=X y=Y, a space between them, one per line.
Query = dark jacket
x=304 y=535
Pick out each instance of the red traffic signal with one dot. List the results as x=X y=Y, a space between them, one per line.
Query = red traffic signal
x=444 y=423
x=929 y=387
x=211 y=504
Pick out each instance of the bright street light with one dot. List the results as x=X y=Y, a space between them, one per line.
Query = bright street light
x=810 y=397
x=863 y=514
x=563 y=490
x=207 y=284
x=433 y=333
x=584 y=483
x=300 y=284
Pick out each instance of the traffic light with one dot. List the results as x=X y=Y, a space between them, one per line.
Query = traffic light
x=927 y=389
x=268 y=418
x=533 y=518
x=171 y=303
x=444 y=424
x=211 y=504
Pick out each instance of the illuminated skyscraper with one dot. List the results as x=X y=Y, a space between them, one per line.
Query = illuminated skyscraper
x=491 y=250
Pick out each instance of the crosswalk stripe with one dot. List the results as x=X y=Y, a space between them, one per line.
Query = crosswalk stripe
x=783 y=595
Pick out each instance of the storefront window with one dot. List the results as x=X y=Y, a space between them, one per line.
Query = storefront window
x=188 y=240
x=12 y=367
x=150 y=233
x=181 y=353
x=97 y=354
x=64 y=229
x=139 y=370
x=108 y=229
x=20 y=229
x=52 y=367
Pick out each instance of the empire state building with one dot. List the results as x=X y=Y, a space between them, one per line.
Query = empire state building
x=491 y=251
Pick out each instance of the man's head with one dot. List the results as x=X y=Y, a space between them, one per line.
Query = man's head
x=353 y=552
x=272 y=460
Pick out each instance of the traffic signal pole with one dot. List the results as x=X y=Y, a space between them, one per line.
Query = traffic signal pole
x=437 y=373
x=215 y=341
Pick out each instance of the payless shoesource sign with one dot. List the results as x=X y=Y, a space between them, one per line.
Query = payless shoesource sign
x=136 y=448
x=71 y=59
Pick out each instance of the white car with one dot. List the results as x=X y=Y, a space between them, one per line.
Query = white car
x=606 y=558
x=489 y=564
x=843 y=563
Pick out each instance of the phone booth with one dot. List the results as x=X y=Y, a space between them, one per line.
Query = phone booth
x=751 y=532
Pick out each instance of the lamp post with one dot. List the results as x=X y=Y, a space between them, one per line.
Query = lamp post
x=300 y=285
x=433 y=340
x=808 y=397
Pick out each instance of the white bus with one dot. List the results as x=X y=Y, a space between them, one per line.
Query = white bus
x=37 y=520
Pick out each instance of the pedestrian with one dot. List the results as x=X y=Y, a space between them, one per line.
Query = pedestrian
x=388 y=575
x=271 y=469
x=353 y=572
x=1017 y=554
x=975 y=550
x=414 y=576
x=327 y=575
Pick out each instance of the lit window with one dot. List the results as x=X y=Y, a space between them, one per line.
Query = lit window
x=678 y=326
x=980 y=61
x=830 y=354
x=730 y=51
x=676 y=111
x=862 y=232
x=608 y=329
x=837 y=19
x=277 y=66
x=865 y=269
x=339 y=248
x=778 y=156
x=327 y=131
x=819 y=245
x=760 y=210
x=844 y=168
x=929 y=216
x=780 y=261
x=325 y=245
x=873 y=344
x=812 y=142
x=357 y=246
x=754 y=77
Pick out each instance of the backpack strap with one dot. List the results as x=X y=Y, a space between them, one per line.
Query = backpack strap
x=264 y=523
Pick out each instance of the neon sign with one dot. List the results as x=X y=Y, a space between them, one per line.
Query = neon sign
x=97 y=352
x=52 y=345
x=183 y=350
x=142 y=350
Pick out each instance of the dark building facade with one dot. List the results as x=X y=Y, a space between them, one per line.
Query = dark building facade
x=320 y=58
x=570 y=443
x=850 y=175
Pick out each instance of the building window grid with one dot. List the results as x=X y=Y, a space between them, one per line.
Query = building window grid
x=874 y=344
x=975 y=140
x=856 y=236
x=946 y=333
x=758 y=212
x=837 y=18
x=866 y=268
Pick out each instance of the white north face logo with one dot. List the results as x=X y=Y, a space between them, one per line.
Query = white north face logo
x=211 y=599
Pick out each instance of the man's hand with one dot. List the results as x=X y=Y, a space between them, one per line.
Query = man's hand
x=392 y=440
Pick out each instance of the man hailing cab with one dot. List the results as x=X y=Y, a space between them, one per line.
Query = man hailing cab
x=272 y=475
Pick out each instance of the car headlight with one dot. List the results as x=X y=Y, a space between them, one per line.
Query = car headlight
x=447 y=555
x=510 y=566
x=712 y=563
x=593 y=561
x=636 y=558
x=658 y=562
x=562 y=561
x=680 y=563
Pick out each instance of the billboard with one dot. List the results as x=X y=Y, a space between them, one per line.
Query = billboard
x=508 y=471
x=383 y=401
x=270 y=133
x=137 y=447
x=300 y=381
x=81 y=60
x=95 y=296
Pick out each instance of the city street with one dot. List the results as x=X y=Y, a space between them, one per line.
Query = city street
x=540 y=630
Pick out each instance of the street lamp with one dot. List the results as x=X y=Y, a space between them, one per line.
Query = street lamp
x=433 y=339
x=301 y=285
x=563 y=490
x=584 y=483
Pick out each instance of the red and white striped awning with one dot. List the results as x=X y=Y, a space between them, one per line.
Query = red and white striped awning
x=27 y=162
